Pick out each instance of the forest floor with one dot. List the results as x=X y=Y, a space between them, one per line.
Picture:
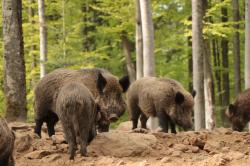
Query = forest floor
x=122 y=147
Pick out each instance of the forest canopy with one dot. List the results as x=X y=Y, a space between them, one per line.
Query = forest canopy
x=86 y=34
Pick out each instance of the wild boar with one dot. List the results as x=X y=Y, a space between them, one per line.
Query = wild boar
x=162 y=97
x=105 y=87
x=239 y=112
x=7 y=139
x=76 y=108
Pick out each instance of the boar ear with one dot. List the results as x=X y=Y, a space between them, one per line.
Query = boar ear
x=98 y=110
x=231 y=109
x=124 y=82
x=193 y=93
x=101 y=82
x=179 y=98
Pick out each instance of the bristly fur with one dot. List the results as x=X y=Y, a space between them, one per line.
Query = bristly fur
x=239 y=112
x=110 y=100
x=150 y=95
x=7 y=139
x=76 y=109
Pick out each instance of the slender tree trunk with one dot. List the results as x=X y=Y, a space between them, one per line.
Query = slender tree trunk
x=63 y=28
x=225 y=73
x=33 y=46
x=14 y=65
x=216 y=55
x=247 y=46
x=198 y=76
x=139 y=42
x=126 y=45
x=148 y=38
x=190 y=60
x=85 y=10
x=236 y=48
x=43 y=37
x=208 y=87
x=190 y=65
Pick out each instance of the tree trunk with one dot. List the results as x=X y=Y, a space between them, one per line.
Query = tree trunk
x=198 y=75
x=236 y=48
x=217 y=63
x=63 y=28
x=208 y=87
x=247 y=46
x=33 y=46
x=190 y=60
x=126 y=46
x=148 y=38
x=43 y=38
x=14 y=65
x=139 y=42
x=190 y=65
x=225 y=73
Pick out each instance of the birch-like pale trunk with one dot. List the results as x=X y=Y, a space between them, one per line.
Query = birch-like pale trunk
x=247 y=46
x=14 y=65
x=139 y=42
x=198 y=74
x=208 y=88
x=43 y=37
x=148 y=38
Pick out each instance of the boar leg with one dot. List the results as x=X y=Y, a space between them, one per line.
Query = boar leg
x=70 y=137
x=135 y=114
x=143 y=120
x=5 y=160
x=83 y=130
x=172 y=124
x=164 y=119
x=38 y=127
x=84 y=134
x=51 y=121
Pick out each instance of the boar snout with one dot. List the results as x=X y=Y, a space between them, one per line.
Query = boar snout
x=188 y=126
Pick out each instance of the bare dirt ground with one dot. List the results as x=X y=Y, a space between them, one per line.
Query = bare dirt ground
x=122 y=147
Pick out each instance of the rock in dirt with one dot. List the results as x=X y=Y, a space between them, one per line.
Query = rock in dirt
x=122 y=144
x=23 y=143
x=52 y=158
x=21 y=126
x=181 y=147
x=165 y=160
x=37 y=154
x=176 y=153
x=125 y=126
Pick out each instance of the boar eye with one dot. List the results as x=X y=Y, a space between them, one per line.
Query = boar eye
x=118 y=96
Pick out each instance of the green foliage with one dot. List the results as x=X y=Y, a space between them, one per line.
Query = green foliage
x=88 y=33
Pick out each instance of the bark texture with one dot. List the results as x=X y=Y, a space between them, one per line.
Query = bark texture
x=236 y=48
x=43 y=37
x=198 y=76
x=14 y=65
x=148 y=38
x=139 y=42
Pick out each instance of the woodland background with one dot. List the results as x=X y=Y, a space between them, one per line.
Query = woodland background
x=99 y=33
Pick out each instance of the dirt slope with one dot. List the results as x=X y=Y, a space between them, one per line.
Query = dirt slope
x=122 y=147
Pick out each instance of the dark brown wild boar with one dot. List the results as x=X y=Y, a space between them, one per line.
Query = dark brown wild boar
x=105 y=87
x=76 y=108
x=7 y=139
x=239 y=112
x=162 y=97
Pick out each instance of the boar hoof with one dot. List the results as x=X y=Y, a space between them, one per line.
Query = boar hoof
x=113 y=118
x=83 y=152
x=140 y=130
